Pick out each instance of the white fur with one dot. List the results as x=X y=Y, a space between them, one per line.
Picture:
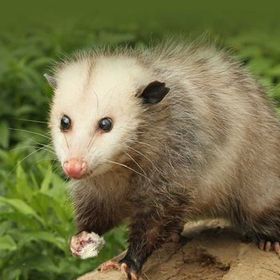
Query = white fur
x=92 y=249
x=87 y=91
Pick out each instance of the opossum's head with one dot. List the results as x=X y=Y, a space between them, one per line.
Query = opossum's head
x=97 y=108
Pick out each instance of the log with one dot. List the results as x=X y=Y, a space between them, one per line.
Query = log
x=212 y=254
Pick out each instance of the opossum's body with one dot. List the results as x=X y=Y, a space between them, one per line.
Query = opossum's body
x=209 y=148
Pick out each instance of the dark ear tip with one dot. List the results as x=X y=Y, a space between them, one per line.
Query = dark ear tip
x=157 y=83
x=154 y=92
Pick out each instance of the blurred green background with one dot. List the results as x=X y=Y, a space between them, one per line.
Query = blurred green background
x=36 y=218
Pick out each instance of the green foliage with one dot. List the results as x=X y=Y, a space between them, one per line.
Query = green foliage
x=260 y=51
x=36 y=216
x=36 y=222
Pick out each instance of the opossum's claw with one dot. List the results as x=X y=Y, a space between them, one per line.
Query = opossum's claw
x=129 y=272
x=109 y=265
x=277 y=248
x=269 y=246
x=261 y=245
x=123 y=267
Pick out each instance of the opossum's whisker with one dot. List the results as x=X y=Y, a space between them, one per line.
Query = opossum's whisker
x=29 y=155
x=22 y=147
x=49 y=151
x=138 y=152
x=33 y=145
x=33 y=121
x=25 y=158
x=145 y=275
x=67 y=145
x=136 y=162
x=91 y=141
x=143 y=143
x=125 y=166
x=47 y=145
x=42 y=144
x=31 y=132
x=51 y=163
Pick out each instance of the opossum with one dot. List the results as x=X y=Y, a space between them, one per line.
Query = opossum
x=162 y=136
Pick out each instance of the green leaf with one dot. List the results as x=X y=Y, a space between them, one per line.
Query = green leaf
x=274 y=71
x=22 y=186
x=4 y=135
x=47 y=180
x=43 y=236
x=7 y=243
x=261 y=65
x=20 y=206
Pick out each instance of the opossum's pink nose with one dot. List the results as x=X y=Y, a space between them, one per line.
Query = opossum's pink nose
x=75 y=168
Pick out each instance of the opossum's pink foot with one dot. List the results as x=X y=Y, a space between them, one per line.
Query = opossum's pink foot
x=131 y=275
x=78 y=242
x=109 y=265
x=270 y=246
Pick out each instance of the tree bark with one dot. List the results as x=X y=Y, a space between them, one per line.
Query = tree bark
x=212 y=254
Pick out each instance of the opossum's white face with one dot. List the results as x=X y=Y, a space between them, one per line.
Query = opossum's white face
x=96 y=113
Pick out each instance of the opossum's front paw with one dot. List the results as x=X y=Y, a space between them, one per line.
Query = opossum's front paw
x=86 y=244
x=269 y=246
x=78 y=242
x=129 y=269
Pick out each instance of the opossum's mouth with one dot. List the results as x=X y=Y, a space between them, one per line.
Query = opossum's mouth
x=90 y=173
x=85 y=176
x=75 y=168
x=80 y=169
x=77 y=178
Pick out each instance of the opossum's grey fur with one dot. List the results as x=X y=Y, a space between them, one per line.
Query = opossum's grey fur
x=209 y=149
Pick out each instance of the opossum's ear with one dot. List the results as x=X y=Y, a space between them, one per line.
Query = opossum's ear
x=51 y=80
x=153 y=93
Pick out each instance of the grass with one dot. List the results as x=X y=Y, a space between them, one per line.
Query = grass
x=36 y=216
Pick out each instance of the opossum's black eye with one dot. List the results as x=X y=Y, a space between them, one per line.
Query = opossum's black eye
x=105 y=124
x=65 y=123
